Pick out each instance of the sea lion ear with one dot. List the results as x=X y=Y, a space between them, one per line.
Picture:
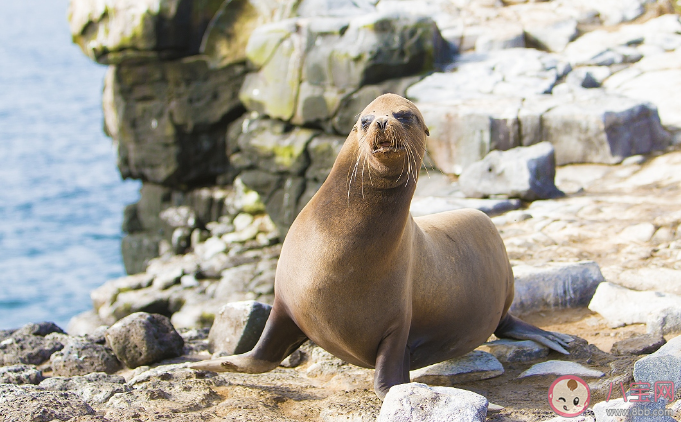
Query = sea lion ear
x=427 y=132
x=354 y=128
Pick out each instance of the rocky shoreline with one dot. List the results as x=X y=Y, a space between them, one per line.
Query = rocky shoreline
x=553 y=117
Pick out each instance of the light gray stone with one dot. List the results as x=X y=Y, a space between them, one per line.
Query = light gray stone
x=631 y=411
x=84 y=323
x=434 y=204
x=515 y=351
x=20 y=374
x=416 y=402
x=524 y=172
x=554 y=286
x=663 y=365
x=81 y=357
x=473 y=366
x=561 y=367
x=621 y=306
x=107 y=293
x=237 y=327
x=552 y=35
x=500 y=37
x=142 y=338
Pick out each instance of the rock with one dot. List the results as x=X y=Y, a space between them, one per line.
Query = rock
x=663 y=365
x=211 y=247
x=620 y=306
x=524 y=172
x=418 y=402
x=434 y=204
x=641 y=233
x=151 y=300
x=32 y=344
x=237 y=327
x=638 y=345
x=473 y=366
x=323 y=151
x=95 y=389
x=142 y=338
x=80 y=357
x=619 y=410
x=137 y=250
x=602 y=128
x=33 y=404
x=107 y=293
x=20 y=374
x=650 y=80
x=554 y=286
x=307 y=67
x=588 y=76
x=515 y=351
x=500 y=37
x=84 y=323
x=665 y=280
x=113 y=32
x=560 y=367
x=158 y=138
x=550 y=35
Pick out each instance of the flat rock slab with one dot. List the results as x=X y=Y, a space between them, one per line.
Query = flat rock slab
x=663 y=365
x=434 y=204
x=554 y=286
x=237 y=327
x=661 y=312
x=515 y=351
x=474 y=366
x=30 y=403
x=639 y=345
x=665 y=280
x=561 y=367
x=95 y=389
x=415 y=402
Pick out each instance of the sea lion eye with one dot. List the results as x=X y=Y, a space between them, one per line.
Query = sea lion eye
x=366 y=121
x=403 y=116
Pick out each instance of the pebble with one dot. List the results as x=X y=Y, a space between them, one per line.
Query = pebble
x=561 y=367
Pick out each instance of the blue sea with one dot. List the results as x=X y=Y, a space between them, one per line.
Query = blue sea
x=61 y=197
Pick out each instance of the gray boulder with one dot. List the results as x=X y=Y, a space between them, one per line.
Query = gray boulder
x=416 y=402
x=33 y=404
x=81 y=357
x=20 y=374
x=142 y=339
x=554 y=286
x=524 y=172
x=663 y=365
x=594 y=127
x=32 y=344
x=665 y=280
x=237 y=327
x=473 y=366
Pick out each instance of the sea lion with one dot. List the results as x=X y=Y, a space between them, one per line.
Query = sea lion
x=377 y=288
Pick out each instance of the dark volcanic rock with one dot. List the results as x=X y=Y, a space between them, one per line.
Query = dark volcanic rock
x=33 y=404
x=142 y=338
x=31 y=344
x=81 y=357
x=639 y=345
x=20 y=374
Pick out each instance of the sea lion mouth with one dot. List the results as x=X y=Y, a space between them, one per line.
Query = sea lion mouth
x=386 y=146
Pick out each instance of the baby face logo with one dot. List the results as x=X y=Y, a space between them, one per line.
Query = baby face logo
x=569 y=396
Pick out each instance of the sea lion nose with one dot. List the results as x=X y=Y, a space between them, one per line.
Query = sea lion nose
x=381 y=123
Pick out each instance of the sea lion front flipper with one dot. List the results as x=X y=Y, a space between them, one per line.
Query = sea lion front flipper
x=512 y=327
x=280 y=338
x=392 y=363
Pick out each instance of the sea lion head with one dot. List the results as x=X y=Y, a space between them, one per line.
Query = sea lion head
x=391 y=137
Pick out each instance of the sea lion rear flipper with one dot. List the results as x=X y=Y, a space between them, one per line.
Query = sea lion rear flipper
x=280 y=338
x=512 y=327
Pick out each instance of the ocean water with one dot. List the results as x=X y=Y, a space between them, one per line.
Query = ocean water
x=61 y=197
